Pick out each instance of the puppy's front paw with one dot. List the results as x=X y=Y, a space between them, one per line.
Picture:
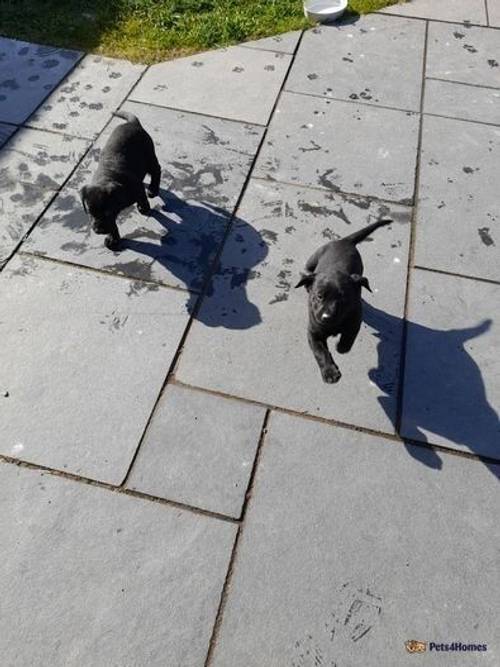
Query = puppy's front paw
x=343 y=348
x=153 y=192
x=112 y=243
x=331 y=375
x=145 y=210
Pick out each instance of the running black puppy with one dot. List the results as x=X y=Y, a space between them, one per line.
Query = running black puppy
x=333 y=280
x=128 y=155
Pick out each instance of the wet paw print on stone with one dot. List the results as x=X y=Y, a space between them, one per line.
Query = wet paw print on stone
x=309 y=654
x=197 y=63
x=238 y=69
x=312 y=76
x=470 y=170
x=284 y=285
x=470 y=48
x=492 y=63
x=115 y=75
x=269 y=68
x=114 y=321
x=484 y=235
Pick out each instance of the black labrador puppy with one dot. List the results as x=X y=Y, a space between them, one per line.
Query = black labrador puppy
x=334 y=280
x=128 y=155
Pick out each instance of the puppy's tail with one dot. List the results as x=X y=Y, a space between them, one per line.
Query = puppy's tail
x=362 y=234
x=129 y=117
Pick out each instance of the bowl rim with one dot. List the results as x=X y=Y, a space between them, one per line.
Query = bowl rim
x=309 y=6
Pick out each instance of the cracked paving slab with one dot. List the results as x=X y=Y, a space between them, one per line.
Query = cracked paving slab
x=29 y=72
x=458 y=216
x=341 y=147
x=204 y=163
x=92 y=577
x=33 y=165
x=352 y=62
x=451 y=390
x=464 y=54
x=236 y=83
x=249 y=337
x=82 y=104
x=83 y=359
x=349 y=526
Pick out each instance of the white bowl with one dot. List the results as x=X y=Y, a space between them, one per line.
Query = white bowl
x=324 y=10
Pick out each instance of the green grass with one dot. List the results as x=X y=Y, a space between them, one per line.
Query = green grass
x=154 y=30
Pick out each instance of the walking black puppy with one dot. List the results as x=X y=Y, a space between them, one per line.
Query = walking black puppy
x=128 y=155
x=334 y=280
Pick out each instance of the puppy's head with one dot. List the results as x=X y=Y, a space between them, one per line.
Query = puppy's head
x=332 y=297
x=102 y=203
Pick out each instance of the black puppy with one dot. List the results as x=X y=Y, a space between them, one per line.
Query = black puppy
x=333 y=280
x=128 y=155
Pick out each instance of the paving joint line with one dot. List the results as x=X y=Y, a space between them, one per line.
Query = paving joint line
x=359 y=102
x=463 y=24
x=234 y=553
x=489 y=281
x=102 y=272
x=462 y=120
x=20 y=463
x=487 y=12
x=341 y=193
x=463 y=83
x=412 y=243
x=196 y=113
x=394 y=438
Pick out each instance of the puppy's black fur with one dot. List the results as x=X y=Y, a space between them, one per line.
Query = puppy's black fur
x=125 y=160
x=333 y=280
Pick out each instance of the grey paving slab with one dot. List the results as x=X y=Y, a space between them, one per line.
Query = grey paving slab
x=236 y=83
x=494 y=12
x=470 y=11
x=33 y=164
x=83 y=103
x=6 y=131
x=249 y=339
x=204 y=162
x=342 y=530
x=452 y=388
x=458 y=214
x=199 y=450
x=353 y=62
x=446 y=98
x=341 y=146
x=92 y=577
x=29 y=72
x=285 y=43
x=464 y=54
x=83 y=360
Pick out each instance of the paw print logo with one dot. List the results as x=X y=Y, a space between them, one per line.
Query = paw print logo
x=414 y=646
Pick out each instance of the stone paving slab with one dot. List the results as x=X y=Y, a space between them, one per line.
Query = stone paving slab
x=6 y=131
x=204 y=162
x=285 y=43
x=29 y=72
x=310 y=142
x=82 y=104
x=458 y=213
x=445 y=98
x=236 y=83
x=91 y=577
x=199 y=450
x=249 y=339
x=352 y=62
x=83 y=359
x=464 y=54
x=471 y=11
x=452 y=351
x=494 y=13
x=351 y=547
x=33 y=164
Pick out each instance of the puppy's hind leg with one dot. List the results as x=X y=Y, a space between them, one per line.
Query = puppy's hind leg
x=329 y=369
x=155 y=173
x=142 y=201
x=112 y=241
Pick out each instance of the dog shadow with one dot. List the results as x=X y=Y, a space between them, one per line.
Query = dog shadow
x=189 y=250
x=445 y=395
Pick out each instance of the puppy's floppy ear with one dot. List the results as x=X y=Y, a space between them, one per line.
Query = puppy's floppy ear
x=306 y=280
x=361 y=280
x=83 y=196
